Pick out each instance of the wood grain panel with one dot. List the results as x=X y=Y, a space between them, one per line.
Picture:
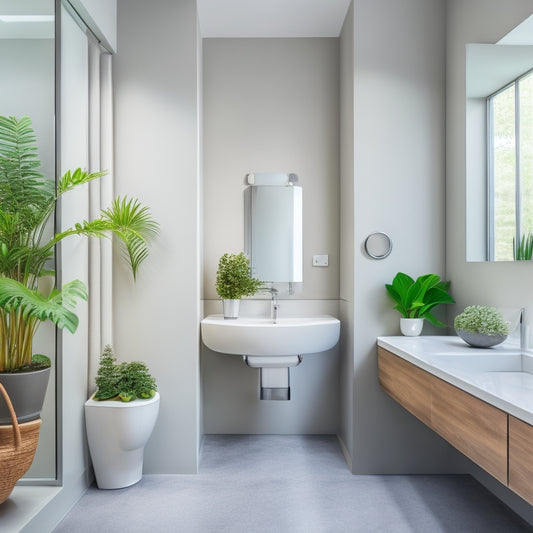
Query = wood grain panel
x=406 y=383
x=471 y=425
x=521 y=458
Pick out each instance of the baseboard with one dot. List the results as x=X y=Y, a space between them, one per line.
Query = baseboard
x=345 y=452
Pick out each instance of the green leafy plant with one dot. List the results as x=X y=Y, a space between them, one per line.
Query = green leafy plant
x=416 y=299
x=234 y=278
x=27 y=201
x=123 y=381
x=481 y=319
x=524 y=251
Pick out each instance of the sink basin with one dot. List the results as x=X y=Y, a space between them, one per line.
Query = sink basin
x=260 y=336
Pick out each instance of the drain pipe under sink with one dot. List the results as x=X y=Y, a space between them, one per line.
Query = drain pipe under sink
x=274 y=374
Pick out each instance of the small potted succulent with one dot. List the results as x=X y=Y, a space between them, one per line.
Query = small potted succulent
x=481 y=326
x=416 y=299
x=234 y=281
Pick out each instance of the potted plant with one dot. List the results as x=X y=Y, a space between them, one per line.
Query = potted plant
x=415 y=300
x=481 y=326
x=234 y=280
x=27 y=201
x=119 y=418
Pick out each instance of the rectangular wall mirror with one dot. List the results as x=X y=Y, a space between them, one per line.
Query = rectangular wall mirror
x=273 y=232
x=499 y=147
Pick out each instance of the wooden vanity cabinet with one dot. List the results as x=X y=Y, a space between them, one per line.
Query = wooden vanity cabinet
x=406 y=383
x=521 y=458
x=474 y=427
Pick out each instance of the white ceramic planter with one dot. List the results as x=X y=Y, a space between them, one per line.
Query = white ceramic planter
x=231 y=308
x=117 y=433
x=411 y=327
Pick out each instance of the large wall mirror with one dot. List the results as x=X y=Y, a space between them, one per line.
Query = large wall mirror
x=27 y=88
x=273 y=232
x=499 y=147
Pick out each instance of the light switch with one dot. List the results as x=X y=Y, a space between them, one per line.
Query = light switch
x=320 y=260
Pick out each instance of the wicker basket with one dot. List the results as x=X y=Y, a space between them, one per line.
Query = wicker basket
x=17 y=448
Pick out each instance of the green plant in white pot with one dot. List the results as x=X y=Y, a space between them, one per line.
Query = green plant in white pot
x=415 y=300
x=481 y=326
x=27 y=201
x=234 y=281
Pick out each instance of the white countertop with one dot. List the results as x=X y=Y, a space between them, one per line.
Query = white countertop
x=501 y=375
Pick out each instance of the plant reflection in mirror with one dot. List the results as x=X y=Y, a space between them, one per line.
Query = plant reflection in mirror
x=524 y=252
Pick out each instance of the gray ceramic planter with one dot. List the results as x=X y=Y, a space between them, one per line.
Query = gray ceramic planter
x=26 y=391
x=480 y=340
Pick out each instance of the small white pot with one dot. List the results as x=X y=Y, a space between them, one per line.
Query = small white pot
x=411 y=327
x=231 y=308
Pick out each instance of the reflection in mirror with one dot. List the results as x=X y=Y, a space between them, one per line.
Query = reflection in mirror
x=499 y=148
x=273 y=232
x=27 y=55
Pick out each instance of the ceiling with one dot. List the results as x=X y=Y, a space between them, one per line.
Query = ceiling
x=271 y=18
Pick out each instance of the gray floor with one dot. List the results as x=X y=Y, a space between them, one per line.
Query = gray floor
x=286 y=484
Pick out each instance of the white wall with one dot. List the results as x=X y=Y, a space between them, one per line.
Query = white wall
x=399 y=189
x=271 y=105
x=156 y=150
x=500 y=283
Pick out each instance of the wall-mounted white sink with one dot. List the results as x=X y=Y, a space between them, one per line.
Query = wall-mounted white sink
x=260 y=336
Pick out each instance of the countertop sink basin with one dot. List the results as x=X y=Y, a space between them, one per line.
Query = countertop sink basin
x=260 y=336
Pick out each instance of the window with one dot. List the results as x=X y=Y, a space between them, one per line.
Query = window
x=510 y=167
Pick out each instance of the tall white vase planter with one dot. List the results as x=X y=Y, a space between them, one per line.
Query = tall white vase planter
x=117 y=433
x=411 y=327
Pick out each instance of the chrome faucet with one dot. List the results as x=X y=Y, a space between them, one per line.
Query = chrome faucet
x=524 y=330
x=274 y=306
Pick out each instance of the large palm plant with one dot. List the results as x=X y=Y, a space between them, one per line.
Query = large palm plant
x=27 y=201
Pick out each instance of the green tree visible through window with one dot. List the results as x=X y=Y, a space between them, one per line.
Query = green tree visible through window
x=504 y=172
x=526 y=153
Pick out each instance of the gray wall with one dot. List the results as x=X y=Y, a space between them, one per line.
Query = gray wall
x=157 y=158
x=272 y=105
x=398 y=188
x=501 y=283
x=347 y=228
